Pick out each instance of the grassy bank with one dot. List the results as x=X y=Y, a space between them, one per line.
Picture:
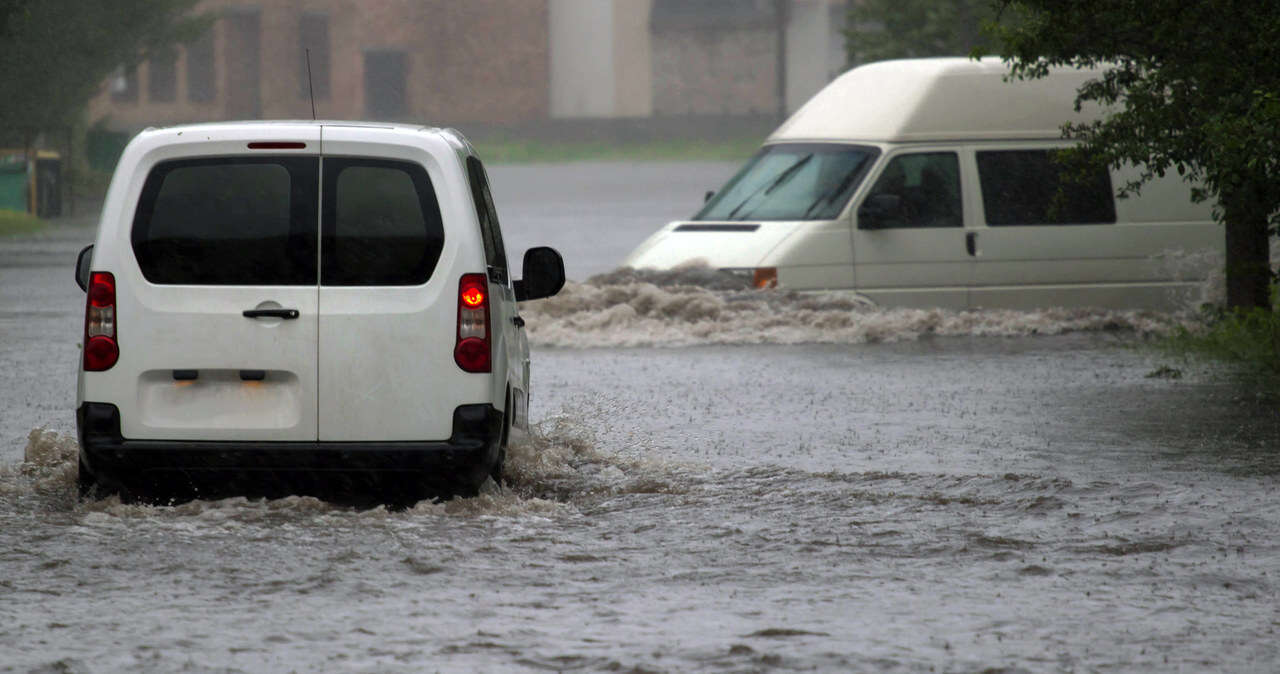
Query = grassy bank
x=13 y=222
x=513 y=151
x=1249 y=339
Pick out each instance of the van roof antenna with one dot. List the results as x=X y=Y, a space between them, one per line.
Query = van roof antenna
x=310 y=90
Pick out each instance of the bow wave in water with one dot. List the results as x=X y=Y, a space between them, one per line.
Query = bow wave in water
x=699 y=305
x=547 y=471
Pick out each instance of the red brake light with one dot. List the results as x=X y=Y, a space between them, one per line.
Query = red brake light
x=101 y=351
x=472 y=296
x=473 y=349
x=102 y=289
x=277 y=145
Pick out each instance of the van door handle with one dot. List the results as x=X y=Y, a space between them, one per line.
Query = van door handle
x=271 y=313
x=971 y=243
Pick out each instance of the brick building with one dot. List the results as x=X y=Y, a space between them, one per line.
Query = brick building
x=484 y=62
x=439 y=60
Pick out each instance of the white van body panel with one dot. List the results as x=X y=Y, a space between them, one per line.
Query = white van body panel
x=718 y=244
x=179 y=320
x=930 y=100
x=963 y=107
x=347 y=367
x=372 y=337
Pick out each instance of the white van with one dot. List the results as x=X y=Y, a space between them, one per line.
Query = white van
x=932 y=183
x=298 y=302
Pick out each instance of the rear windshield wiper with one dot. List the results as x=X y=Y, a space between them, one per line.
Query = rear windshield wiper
x=773 y=185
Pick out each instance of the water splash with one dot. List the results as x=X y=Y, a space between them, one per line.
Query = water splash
x=695 y=306
x=47 y=472
x=549 y=471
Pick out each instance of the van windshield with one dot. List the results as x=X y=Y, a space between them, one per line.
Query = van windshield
x=793 y=181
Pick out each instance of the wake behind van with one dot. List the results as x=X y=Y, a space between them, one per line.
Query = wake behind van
x=282 y=305
x=933 y=183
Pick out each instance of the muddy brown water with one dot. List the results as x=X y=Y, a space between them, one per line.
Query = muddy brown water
x=923 y=492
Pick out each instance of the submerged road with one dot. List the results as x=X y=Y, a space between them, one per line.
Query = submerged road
x=919 y=495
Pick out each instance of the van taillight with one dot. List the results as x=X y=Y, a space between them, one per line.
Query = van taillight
x=100 y=348
x=472 y=351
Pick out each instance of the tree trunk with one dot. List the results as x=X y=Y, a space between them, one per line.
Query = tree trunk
x=1248 y=250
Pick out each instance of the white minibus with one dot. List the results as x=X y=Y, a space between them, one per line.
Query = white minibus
x=934 y=183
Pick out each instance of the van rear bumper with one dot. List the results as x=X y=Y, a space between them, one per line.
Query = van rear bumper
x=164 y=467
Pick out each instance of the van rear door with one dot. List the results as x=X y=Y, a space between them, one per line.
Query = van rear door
x=217 y=322
x=388 y=290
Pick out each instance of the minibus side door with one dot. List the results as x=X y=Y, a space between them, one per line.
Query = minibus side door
x=909 y=239
x=1049 y=240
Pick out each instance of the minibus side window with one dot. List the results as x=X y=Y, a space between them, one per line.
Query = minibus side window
x=1028 y=187
x=915 y=190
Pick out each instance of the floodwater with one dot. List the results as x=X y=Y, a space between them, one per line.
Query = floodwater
x=717 y=481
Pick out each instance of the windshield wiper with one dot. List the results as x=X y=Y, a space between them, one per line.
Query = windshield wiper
x=835 y=191
x=773 y=185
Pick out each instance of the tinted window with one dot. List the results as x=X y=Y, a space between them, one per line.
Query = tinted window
x=916 y=190
x=1027 y=187
x=228 y=221
x=791 y=182
x=382 y=223
x=494 y=252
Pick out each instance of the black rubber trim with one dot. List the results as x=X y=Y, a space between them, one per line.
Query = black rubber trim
x=717 y=228
x=456 y=465
x=186 y=375
x=253 y=375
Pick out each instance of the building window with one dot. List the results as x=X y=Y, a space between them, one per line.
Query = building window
x=162 y=76
x=384 y=84
x=201 y=85
x=242 y=63
x=124 y=85
x=313 y=36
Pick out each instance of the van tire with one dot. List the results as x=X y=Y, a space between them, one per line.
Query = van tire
x=496 y=471
x=92 y=489
x=86 y=482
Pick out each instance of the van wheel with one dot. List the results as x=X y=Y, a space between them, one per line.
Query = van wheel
x=85 y=481
x=91 y=488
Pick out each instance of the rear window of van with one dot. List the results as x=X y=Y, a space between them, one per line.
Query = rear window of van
x=254 y=221
x=228 y=221
x=381 y=223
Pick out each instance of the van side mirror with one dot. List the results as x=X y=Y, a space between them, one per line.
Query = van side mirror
x=82 y=267
x=543 y=274
x=877 y=210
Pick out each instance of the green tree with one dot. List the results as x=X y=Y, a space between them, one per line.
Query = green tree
x=1192 y=87
x=889 y=29
x=57 y=53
